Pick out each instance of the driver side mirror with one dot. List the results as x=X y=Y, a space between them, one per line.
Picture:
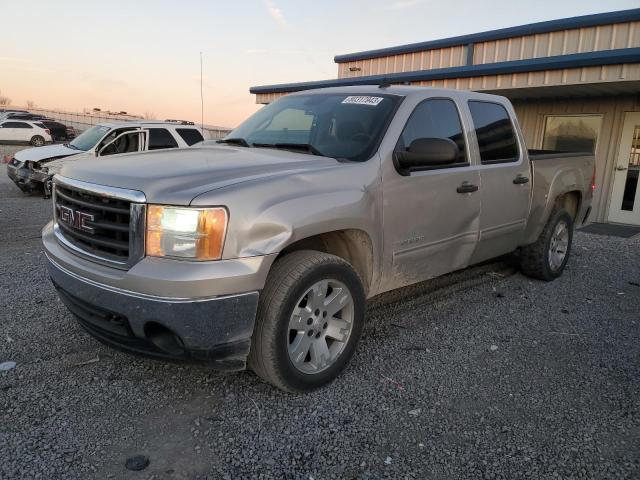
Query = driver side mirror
x=425 y=153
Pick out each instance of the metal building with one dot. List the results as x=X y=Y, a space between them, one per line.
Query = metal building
x=574 y=82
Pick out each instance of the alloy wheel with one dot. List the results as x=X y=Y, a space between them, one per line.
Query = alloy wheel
x=320 y=326
x=559 y=245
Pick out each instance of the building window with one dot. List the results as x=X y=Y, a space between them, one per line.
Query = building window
x=571 y=133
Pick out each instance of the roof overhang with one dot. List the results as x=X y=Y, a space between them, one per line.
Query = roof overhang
x=576 y=60
x=604 y=89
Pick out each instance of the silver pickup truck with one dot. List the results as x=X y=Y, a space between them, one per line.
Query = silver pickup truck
x=261 y=250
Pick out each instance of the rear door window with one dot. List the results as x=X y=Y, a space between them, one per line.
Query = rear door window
x=190 y=136
x=494 y=131
x=160 y=138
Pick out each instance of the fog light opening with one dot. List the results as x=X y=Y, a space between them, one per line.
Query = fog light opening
x=164 y=339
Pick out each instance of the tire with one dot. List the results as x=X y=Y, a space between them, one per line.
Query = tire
x=37 y=141
x=541 y=259
x=280 y=336
x=47 y=187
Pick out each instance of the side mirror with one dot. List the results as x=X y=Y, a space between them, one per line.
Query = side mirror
x=424 y=153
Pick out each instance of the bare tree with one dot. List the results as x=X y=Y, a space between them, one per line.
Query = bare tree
x=31 y=104
x=4 y=100
x=149 y=116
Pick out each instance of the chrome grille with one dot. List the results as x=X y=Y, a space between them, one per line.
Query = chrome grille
x=102 y=223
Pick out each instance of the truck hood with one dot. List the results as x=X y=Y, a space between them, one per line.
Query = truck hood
x=177 y=176
x=55 y=165
x=48 y=152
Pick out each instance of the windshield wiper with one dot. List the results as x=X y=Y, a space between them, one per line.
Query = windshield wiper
x=235 y=141
x=292 y=146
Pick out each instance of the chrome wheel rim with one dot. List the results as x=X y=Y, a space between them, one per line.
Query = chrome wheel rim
x=559 y=245
x=320 y=326
x=38 y=142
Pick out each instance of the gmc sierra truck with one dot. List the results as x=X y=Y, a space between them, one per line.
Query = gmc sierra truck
x=260 y=250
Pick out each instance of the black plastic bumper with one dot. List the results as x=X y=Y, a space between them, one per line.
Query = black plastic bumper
x=215 y=331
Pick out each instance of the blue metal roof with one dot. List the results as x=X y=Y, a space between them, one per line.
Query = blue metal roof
x=576 y=60
x=530 y=29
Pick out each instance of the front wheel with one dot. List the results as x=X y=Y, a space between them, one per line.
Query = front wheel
x=546 y=258
x=37 y=141
x=310 y=317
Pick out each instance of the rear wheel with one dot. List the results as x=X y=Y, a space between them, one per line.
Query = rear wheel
x=37 y=141
x=546 y=258
x=310 y=317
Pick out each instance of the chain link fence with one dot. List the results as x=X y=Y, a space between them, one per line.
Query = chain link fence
x=84 y=120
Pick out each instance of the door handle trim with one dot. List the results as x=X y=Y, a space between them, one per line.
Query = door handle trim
x=467 y=187
x=521 y=180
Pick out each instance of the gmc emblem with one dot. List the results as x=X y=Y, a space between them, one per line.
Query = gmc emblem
x=76 y=219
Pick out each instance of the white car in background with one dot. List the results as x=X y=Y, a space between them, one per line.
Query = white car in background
x=24 y=131
x=32 y=169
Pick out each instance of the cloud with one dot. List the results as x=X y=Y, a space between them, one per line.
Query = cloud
x=275 y=13
x=403 y=4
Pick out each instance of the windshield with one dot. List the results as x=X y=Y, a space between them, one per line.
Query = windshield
x=334 y=125
x=88 y=138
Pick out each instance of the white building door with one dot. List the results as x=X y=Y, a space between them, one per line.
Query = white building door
x=625 y=197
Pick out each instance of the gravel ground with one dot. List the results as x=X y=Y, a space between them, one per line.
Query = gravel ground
x=475 y=375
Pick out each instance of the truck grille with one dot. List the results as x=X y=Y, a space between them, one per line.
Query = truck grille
x=95 y=223
x=103 y=224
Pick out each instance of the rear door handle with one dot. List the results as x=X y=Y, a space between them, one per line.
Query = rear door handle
x=520 y=179
x=467 y=187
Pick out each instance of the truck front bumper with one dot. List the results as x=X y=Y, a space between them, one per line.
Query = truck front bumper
x=214 y=329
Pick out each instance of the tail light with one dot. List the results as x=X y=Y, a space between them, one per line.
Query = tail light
x=47 y=131
x=593 y=180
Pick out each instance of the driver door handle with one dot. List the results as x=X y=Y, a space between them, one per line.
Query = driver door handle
x=521 y=179
x=467 y=187
x=620 y=168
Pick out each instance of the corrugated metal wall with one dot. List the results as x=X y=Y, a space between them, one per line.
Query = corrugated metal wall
x=409 y=62
x=532 y=113
x=563 y=42
x=567 y=76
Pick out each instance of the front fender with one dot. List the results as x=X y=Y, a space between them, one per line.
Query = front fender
x=268 y=214
x=294 y=219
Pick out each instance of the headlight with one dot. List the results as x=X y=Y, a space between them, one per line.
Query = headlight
x=195 y=233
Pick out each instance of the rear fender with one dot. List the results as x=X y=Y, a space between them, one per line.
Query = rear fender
x=546 y=192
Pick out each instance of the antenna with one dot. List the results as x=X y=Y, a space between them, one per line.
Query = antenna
x=201 y=99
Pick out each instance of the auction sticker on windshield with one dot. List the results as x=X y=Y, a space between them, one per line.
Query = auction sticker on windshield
x=363 y=100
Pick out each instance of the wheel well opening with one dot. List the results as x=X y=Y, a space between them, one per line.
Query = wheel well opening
x=570 y=201
x=352 y=245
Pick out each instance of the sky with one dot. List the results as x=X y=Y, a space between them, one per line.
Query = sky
x=143 y=56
